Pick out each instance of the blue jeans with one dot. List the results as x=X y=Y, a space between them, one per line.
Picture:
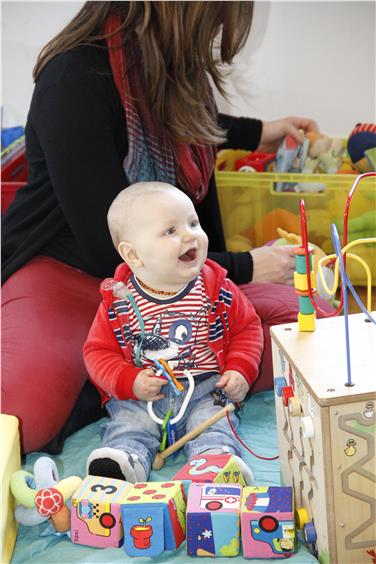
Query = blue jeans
x=132 y=430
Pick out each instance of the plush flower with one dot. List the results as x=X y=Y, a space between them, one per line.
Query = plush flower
x=49 y=501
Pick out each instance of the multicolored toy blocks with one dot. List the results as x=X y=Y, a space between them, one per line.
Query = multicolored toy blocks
x=267 y=522
x=213 y=519
x=307 y=313
x=153 y=516
x=95 y=512
x=212 y=468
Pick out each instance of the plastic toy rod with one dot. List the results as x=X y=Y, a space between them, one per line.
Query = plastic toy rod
x=161 y=456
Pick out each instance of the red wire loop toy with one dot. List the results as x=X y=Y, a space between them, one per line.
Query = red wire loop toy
x=303 y=223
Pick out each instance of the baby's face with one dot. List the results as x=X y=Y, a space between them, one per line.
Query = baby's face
x=168 y=239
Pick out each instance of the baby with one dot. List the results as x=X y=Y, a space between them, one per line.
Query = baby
x=167 y=303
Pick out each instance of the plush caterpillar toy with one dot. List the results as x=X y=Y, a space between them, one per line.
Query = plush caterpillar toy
x=42 y=496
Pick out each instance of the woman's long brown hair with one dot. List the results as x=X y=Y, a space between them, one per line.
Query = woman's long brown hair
x=181 y=43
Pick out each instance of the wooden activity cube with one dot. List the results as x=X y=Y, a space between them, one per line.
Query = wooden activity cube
x=326 y=434
x=96 y=512
x=213 y=519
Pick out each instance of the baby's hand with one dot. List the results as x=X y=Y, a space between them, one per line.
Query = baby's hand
x=233 y=384
x=147 y=386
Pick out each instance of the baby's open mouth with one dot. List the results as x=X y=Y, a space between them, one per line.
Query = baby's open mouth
x=189 y=255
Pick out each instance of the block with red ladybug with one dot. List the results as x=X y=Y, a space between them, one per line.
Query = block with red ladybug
x=153 y=516
x=95 y=512
x=211 y=468
x=267 y=522
x=213 y=519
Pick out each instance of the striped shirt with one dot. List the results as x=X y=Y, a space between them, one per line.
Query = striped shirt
x=175 y=329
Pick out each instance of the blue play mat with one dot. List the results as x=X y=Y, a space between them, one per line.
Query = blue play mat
x=258 y=430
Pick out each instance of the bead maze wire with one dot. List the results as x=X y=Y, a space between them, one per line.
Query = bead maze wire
x=303 y=223
x=340 y=265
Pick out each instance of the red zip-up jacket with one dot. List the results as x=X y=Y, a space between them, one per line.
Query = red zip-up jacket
x=108 y=355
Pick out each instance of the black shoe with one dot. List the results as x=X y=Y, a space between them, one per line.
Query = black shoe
x=107 y=468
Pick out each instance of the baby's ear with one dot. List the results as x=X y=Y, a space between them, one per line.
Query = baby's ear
x=128 y=253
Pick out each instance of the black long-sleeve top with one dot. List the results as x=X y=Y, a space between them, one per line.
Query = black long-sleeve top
x=76 y=141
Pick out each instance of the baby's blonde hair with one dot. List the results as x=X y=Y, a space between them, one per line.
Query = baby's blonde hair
x=120 y=216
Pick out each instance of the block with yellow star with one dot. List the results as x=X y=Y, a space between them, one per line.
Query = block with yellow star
x=213 y=519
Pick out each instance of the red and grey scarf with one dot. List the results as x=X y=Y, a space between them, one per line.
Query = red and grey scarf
x=152 y=154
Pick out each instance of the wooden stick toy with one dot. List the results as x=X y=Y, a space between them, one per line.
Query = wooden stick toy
x=161 y=456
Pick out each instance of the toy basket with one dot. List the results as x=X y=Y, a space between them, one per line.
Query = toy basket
x=252 y=210
x=13 y=171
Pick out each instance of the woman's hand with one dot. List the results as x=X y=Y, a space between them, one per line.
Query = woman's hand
x=273 y=132
x=273 y=264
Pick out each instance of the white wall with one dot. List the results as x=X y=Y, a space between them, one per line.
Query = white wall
x=304 y=58
x=26 y=27
x=309 y=58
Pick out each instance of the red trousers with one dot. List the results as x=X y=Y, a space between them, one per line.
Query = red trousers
x=47 y=310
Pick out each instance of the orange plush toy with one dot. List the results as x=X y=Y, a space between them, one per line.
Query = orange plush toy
x=264 y=229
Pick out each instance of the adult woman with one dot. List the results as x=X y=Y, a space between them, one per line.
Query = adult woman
x=121 y=95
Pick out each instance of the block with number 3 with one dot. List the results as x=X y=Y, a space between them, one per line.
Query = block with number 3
x=96 y=512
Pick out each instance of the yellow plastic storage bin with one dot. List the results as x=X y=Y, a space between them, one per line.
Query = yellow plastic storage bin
x=252 y=209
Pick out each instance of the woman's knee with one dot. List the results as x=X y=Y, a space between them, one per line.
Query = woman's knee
x=275 y=304
x=278 y=303
x=45 y=319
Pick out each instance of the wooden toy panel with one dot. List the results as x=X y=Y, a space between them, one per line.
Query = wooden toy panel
x=333 y=471
x=320 y=357
x=301 y=458
x=353 y=465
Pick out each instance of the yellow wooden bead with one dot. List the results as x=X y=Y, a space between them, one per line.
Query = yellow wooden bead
x=307 y=322
x=300 y=281
x=301 y=517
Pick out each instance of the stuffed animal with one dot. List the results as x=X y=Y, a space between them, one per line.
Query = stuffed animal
x=318 y=144
x=359 y=227
x=362 y=139
x=42 y=496
x=371 y=157
x=264 y=229
x=324 y=153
